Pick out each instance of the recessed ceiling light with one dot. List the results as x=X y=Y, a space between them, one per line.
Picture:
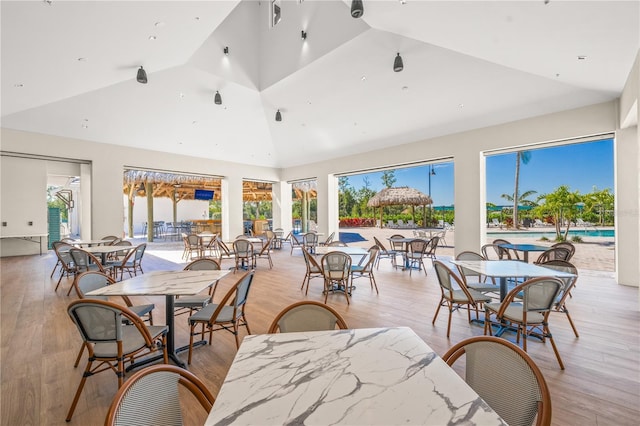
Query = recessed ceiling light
x=18 y=85
x=581 y=57
x=152 y=37
x=405 y=88
x=181 y=95
x=194 y=122
x=159 y=24
x=197 y=18
x=82 y=59
x=460 y=105
x=363 y=78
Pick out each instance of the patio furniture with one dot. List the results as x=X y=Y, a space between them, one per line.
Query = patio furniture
x=310 y=241
x=384 y=253
x=567 y=245
x=479 y=283
x=184 y=304
x=132 y=403
x=307 y=315
x=530 y=314
x=416 y=251
x=455 y=297
x=554 y=253
x=366 y=268
x=569 y=284
x=314 y=270
x=336 y=269
x=227 y=315
x=506 y=377
x=109 y=341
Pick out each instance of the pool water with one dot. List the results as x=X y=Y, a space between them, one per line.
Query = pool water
x=551 y=234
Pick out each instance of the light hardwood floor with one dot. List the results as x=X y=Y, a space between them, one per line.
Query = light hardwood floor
x=600 y=386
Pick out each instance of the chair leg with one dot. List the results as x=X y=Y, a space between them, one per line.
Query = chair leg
x=547 y=333
x=79 y=355
x=373 y=280
x=437 y=311
x=87 y=373
x=449 y=321
x=191 y=331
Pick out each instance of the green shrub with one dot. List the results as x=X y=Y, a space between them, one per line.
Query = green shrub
x=576 y=239
x=543 y=238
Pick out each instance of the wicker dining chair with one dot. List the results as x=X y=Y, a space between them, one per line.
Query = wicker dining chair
x=110 y=340
x=506 y=378
x=151 y=396
x=307 y=315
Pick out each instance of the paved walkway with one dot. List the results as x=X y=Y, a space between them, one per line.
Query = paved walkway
x=595 y=253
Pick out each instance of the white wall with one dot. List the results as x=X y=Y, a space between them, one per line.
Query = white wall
x=24 y=200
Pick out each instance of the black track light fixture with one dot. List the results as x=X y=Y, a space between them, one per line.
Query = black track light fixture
x=226 y=50
x=142 y=76
x=217 y=98
x=278 y=116
x=357 y=8
x=397 y=63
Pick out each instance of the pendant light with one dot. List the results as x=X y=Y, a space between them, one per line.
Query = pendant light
x=397 y=63
x=278 y=116
x=357 y=8
x=142 y=76
x=217 y=98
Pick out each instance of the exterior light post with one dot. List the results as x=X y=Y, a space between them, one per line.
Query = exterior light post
x=432 y=172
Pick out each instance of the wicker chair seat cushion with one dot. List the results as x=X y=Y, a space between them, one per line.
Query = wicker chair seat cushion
x=192 y=301
x=460 y=297
x=132 y=341
x=142 y=310
x=514 y=312
x=204 y=314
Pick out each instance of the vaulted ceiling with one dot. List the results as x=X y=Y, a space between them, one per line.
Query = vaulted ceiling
x=69 y=69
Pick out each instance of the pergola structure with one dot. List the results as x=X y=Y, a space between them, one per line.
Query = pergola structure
x=178 y=187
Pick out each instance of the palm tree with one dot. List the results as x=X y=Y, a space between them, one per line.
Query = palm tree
x=523 y=156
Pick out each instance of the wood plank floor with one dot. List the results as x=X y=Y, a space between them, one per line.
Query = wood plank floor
x=600 y=386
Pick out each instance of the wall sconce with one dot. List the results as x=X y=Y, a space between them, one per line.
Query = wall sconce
x=303 y=34
x=226 y=50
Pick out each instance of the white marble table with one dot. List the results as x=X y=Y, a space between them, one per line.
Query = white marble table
x=504 y=269
x=351 y=251
x=103 y=251
x=165 y=283
x=377 y=376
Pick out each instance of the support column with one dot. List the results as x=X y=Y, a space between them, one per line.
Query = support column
x=149 y=192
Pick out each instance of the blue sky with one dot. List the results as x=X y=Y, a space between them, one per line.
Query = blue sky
x=580 y=166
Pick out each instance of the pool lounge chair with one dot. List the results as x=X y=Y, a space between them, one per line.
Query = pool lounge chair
x=580 y=222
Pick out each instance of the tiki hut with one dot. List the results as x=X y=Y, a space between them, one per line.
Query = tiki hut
x=402 y=195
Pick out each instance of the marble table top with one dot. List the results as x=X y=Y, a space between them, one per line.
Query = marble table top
x=348 y=250
x=108 y=249
x=378 y=376
x=167 y=283
x=509 y=269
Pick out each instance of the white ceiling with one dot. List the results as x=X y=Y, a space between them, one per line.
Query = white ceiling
x=467 y=65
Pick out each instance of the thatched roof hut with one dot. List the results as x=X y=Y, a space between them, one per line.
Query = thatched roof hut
x=402 y=195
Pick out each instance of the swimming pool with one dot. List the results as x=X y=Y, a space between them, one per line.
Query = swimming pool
x=551 y=233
